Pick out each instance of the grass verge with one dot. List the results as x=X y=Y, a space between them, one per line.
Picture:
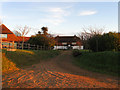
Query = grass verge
x=22 y=58
x=104 y=62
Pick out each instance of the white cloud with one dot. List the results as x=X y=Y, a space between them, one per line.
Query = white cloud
x=84 y=13
x=53 y=21
x=56 y=15
x=56 y=10
x=56 y=21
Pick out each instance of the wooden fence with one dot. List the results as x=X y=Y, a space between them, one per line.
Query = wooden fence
x=33 y=47
x=11 y=45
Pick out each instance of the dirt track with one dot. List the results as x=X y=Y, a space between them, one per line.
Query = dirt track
x=55 y=73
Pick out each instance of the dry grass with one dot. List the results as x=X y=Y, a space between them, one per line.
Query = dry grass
x=22 y=58
x=7 y=64
x=25 y=51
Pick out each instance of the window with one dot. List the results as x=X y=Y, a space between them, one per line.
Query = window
x=73 y=43
x=64 y=43
x=3 y=35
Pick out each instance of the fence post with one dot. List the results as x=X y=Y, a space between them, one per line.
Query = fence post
x=40 y=47
x=44 y=47
x=28 y=46
x=17 y=46
x=13 y=45
x=34 y=46
x=37 y=47
x=9 y=45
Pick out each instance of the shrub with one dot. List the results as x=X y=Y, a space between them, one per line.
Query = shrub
x=105 y=42
x=42 y=40
x=76 y=53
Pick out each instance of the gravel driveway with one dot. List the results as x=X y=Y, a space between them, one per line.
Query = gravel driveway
x=58 y=72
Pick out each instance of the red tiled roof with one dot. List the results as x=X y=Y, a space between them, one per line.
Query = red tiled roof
x=25 y=38
x=10 y=35
x=5 y=30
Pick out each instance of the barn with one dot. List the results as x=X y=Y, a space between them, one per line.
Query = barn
x=68 y=42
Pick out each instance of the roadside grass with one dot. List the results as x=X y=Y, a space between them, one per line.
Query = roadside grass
x=22 y=58
x=8 y=65
x=106 y=62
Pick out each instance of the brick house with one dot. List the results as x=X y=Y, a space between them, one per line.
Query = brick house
x=68 y=42
x=9 y=39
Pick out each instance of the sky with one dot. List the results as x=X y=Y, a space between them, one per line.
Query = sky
x=61 y=18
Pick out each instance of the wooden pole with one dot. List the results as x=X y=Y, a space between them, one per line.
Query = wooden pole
x=40 y=47
x=9 y=45
x=1 y=43
x=44 y=47
x=37 y=47
x=28 y=46
x=13 y=44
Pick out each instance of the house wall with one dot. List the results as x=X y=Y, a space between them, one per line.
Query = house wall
x=65 y=47
x=6 y=44
x=76 y=47
x=60 y=47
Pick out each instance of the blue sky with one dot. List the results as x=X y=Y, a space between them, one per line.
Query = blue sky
x=63 y=18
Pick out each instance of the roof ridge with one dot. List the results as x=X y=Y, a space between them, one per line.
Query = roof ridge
x=6 y=30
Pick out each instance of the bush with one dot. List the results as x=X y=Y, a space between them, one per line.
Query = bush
x=76 y=53
x=105 y=42
x=42 y=40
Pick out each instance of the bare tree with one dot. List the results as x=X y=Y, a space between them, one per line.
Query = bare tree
x=23 y=31
x=17 y=33
x=90 y=31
